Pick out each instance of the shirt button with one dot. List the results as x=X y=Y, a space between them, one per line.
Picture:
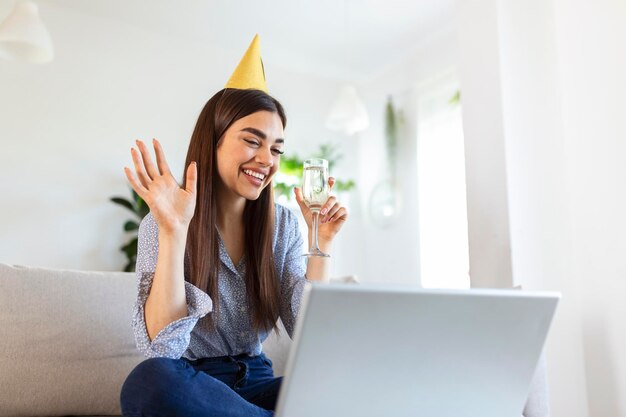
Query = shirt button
x=242 y=309
x=242 y=334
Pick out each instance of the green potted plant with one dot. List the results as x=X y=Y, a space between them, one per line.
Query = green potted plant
x=139 y=208
x=290 y=172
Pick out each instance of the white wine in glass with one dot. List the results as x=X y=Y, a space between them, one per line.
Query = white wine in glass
x=315 y=191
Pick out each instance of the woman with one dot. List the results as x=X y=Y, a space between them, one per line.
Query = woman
x=218 y=263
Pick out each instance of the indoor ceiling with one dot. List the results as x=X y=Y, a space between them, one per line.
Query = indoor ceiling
x=343 y=39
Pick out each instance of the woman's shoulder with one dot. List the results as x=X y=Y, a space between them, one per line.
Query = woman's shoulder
x=286 y=222
x=285 y=216
x=286 y=229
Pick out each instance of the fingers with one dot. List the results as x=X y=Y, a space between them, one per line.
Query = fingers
x=340 y=215
x=160 y=158
x=139 y=189
x=192 y=178
x=331 y=182
x=144 y=178
x=152 y=170
x=328 y=205
x=332 y=211
x=299 y=198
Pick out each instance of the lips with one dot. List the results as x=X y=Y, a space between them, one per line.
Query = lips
x=254 y=177
x=254 y=174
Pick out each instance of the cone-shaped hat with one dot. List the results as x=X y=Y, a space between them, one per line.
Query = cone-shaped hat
x=249 y=73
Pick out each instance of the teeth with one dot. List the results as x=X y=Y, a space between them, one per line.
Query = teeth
x=254 y=174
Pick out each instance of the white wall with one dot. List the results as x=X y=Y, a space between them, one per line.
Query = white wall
x=483 y=126
x=590 y=43
x=394 y=249
x=66 y=129
x=553 y=80
x=538 y=193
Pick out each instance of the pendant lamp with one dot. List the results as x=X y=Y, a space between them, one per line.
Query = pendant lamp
x=348 y=113
x=23 y=36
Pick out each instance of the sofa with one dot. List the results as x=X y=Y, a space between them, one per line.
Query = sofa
x=67 y=344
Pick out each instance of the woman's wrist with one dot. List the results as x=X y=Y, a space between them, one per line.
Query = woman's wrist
x=324 y=245
x=174 y=236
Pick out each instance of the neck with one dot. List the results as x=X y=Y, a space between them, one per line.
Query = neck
x=230 y=208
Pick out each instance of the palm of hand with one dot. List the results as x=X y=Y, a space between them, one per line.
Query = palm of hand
x=172 y=206
x=329 y=223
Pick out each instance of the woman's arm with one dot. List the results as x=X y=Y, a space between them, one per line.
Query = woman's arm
x=170 y=339
x=167 y=306
x=332 y=217
x=172 y=208
x=166 y=302
x=318 y=267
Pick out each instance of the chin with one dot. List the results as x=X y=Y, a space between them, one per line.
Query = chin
x=252 y=195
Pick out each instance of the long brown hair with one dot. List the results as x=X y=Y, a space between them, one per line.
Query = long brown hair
x=202 y=260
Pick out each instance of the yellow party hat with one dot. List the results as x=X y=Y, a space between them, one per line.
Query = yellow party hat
x=249 y=73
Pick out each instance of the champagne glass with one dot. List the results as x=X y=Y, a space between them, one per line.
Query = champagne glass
x=315 y=191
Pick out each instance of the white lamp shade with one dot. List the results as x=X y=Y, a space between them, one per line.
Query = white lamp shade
x=23 y=36
x=348 y=113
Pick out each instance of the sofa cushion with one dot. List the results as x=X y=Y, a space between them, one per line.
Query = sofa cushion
x=276 y=347
x=67 y=344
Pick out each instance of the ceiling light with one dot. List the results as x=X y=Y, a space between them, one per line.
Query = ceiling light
x=348 y=113
x=23 y=36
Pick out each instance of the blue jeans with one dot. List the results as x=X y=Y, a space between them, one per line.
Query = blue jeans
x=225 y=386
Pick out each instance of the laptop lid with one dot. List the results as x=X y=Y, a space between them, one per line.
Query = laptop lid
x=373 y=350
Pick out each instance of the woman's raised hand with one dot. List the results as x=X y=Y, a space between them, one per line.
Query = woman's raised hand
x=171 y=205
x=332 y=215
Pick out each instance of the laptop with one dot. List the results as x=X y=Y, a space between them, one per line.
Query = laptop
x=376 y=351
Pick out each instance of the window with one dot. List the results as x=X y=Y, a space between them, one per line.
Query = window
x=444 y=255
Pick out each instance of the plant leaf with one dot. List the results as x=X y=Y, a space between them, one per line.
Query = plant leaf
x=291 y=166
x=123 y=202
x=344 y=185
x=142 y=208
x=282 y=189
x=130 y=266
x=131 y=225
x=456 y=98
x=130 y=248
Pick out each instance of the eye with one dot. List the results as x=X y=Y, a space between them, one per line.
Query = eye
x=252 y=142
x=277 y=151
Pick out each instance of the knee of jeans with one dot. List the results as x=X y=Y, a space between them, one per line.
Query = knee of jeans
x=148 y=380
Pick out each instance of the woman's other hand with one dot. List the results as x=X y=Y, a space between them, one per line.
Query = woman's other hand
x=172 y=206
x=332 y=215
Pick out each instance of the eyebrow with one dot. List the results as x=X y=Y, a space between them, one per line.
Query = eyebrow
x=260 y=134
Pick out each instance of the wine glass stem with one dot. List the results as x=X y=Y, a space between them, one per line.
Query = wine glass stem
x=316 y=215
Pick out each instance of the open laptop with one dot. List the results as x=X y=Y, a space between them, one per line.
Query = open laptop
x=377 y=351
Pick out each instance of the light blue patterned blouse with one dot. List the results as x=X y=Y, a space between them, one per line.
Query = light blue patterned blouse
x=191 y=337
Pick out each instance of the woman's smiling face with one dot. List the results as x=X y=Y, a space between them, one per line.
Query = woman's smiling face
x=248 y=155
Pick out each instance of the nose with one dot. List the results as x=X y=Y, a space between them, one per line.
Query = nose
x=264 y=157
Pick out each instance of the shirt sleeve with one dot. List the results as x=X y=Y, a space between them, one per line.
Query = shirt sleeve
x=172 y=341
x=293 y=280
